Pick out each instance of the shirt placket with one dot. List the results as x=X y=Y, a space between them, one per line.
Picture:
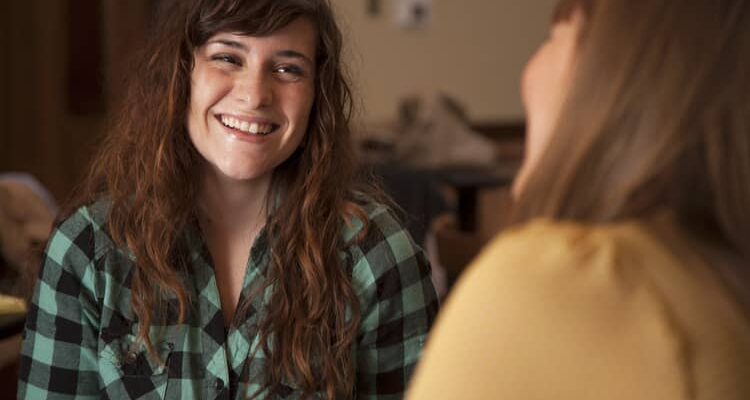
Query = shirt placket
x=243 y=337
x=211 y=322
x=226 y=352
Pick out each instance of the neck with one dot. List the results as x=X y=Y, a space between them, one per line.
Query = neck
x=231 y=214
x=233 y=206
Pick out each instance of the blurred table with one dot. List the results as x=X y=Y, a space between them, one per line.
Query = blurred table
x=468 y=181
x=12 y=316
x=11 y=325
x=416 y=190
x=10 y=348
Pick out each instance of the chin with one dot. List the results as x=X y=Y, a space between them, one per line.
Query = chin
x=240 y=173
x=242 y=176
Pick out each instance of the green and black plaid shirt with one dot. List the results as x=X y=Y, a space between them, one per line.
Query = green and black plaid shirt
x=79 y=339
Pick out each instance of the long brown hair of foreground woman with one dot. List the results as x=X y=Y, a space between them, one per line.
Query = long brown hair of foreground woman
x=658 y=116
x=627 y=273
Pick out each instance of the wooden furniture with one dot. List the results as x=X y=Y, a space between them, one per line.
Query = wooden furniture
x=12 y=316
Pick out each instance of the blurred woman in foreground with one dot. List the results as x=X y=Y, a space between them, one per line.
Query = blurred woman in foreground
x=626 y=275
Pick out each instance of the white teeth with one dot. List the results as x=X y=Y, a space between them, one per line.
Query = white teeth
x=247 y=127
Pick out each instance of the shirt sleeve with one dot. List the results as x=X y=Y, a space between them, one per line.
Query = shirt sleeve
x=59 y=352
x=398 y=305
x=552 y=315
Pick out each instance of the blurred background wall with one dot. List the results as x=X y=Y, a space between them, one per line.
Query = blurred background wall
x=61 y=64
x=473 y=50
x=63 y=60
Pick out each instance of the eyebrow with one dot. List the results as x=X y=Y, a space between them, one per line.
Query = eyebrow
x=283 y=53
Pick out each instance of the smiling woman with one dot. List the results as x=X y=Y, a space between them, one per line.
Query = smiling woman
x=251 y=99
x=219 y=247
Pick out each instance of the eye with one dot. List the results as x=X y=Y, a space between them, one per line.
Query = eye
x=227 y=59
x=289 y=72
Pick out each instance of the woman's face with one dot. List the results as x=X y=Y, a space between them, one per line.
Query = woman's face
x=544 y=86
x=251 y=98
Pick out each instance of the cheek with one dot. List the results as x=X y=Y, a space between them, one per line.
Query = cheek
x=197 y=101
x=543 y=88
x=207 y=87
x=532 y=85
x=532 y=95
x=299 y=105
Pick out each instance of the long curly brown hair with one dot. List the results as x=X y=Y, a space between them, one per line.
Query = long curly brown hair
x=146 y=168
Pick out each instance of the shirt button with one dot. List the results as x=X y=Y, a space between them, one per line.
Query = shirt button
x=131 y=357
x=218 y=384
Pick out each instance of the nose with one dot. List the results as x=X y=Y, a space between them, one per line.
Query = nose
x=254 y=89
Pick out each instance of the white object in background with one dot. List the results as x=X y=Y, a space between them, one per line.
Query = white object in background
x=413 y=14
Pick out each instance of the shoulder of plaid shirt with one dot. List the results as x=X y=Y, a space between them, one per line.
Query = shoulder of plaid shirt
x=79 y=341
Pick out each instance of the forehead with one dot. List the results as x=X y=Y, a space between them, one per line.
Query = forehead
x=299 y=35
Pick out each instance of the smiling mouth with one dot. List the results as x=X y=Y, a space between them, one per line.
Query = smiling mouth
x=250 y=128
